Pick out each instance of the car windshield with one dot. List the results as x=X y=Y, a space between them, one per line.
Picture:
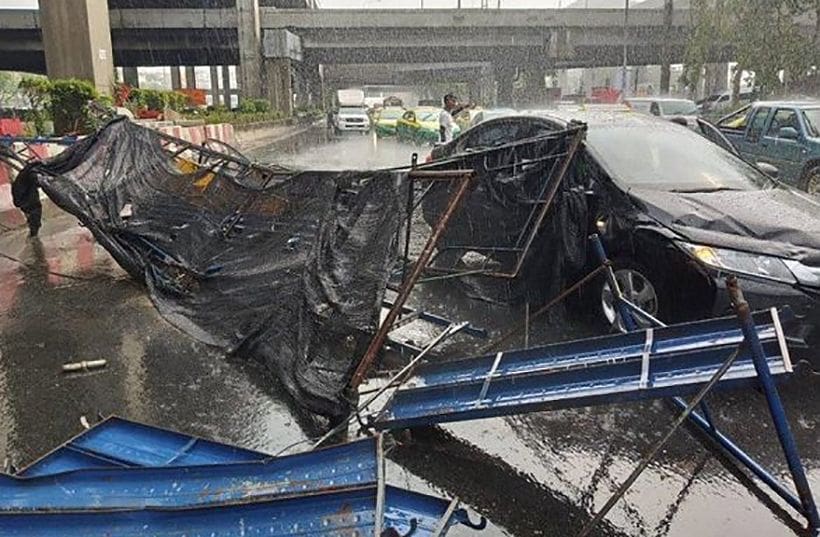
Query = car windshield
x=683 y=107
x=812 y=117
x=428 y=116
x=351 y=110
x=391 y=114
x=640 y=106
x=673 y=160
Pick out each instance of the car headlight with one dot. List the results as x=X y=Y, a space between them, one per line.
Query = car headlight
x=734 y=261
x=808 y=276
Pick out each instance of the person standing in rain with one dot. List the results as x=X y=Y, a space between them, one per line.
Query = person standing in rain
x=445 y=118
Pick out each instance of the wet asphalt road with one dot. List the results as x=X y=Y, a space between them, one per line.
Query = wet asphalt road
x=62 y=299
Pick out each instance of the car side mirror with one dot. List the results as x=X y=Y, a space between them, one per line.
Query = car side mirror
x=768 y=169
x=788 y=133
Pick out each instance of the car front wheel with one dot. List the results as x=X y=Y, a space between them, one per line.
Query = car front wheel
x=637 y=287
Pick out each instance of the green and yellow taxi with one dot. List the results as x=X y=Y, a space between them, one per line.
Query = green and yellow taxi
x=385 y=120
x=420 y=126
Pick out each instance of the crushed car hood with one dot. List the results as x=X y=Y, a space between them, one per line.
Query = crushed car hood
x=779 y=222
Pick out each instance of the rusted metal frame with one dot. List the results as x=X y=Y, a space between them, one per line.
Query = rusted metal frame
x=464 y=179
x=550 y=195
x=545 y=205
x=537 y=202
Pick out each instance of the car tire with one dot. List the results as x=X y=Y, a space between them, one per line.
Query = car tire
x=638 y=284
x=810 y=182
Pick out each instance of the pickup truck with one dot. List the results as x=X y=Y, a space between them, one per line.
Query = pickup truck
x=783 y=134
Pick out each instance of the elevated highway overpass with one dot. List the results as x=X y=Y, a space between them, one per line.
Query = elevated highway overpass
x=272 y=45
x=187 y=36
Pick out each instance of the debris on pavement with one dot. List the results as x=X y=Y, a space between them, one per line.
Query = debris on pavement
x=85 y=365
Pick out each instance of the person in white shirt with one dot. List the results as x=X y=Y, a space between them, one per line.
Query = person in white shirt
x=445 y=118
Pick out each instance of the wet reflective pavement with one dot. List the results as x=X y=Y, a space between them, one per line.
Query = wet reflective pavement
x=63 y=299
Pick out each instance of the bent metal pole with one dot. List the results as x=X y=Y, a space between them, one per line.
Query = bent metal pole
x=464 y=178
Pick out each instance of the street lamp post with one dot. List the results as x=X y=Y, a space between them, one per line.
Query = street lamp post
x=624 y=84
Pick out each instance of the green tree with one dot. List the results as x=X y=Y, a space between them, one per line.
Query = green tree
x=8 y=86
x=762 y=36
x=37 y=91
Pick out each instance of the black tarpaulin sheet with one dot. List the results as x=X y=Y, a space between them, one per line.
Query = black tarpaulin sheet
x=292 y=274
x=488 y=232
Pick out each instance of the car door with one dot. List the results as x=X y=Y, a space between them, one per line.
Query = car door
x=750 y=147
x=716 y=136
x=404 y=126
x=778 y=149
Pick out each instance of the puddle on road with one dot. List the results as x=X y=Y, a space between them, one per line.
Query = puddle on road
x=530 y=475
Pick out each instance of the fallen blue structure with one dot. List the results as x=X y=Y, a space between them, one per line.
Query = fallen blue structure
x=126 y=478
x=119 y=443
x=649 y=364
x=657 y=362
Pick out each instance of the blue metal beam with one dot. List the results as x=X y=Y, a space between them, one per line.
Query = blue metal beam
x=655 y=363
x=351 y=465
x=350 y=512
x=120 y=443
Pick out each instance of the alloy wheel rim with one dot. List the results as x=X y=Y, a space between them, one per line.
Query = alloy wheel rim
x=637 y=289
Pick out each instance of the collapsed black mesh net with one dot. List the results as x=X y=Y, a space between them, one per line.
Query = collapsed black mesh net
x=289 y=269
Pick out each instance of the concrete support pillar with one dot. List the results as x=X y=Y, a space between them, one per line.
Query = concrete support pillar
x=666 y=70
x=504 y=76
x=77 y=41
x=131 y=76
x=563 y=82
x=176 y=77
x=474 y=91
x=251 y=83
x=313 y=85
x=487 y=95
x=190 y=76
x=278 y=73
x=534 y=91
x=215 y=85
x=226 y=85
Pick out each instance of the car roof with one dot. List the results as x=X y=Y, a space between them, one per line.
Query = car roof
x=659 y=99
x=596 y=118
x=800 y=104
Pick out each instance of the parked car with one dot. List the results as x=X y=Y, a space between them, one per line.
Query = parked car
x=783 y=134
x=351 y=119
x=718 y=101
x=421 y=126
x=665 y=107
x=385 y=121
x=676 y=212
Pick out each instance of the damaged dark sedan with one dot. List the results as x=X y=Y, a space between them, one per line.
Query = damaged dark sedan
x=676 y=212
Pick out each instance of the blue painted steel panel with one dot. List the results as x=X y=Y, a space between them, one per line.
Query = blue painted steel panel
x=323 y=492
x=404 y=506
x=580 y=373
x=354 y=464
x=351 y=512
x=116 y=442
